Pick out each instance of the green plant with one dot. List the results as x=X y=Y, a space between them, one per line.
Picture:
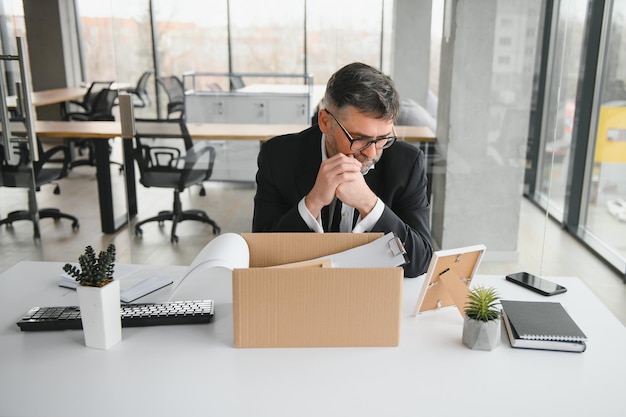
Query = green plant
x=481 y=304
x=94 y=271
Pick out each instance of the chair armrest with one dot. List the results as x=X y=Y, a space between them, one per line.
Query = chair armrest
x=79 y=103
x=49 y=156
x=196 y=161
x=76 y=116
x=195 y=155
x=159 y=156
x=102 y=116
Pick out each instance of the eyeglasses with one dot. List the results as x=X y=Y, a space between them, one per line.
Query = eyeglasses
x=360 y=145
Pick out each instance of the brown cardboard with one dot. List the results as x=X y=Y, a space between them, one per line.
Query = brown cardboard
x=270 y=249
x=313 y=307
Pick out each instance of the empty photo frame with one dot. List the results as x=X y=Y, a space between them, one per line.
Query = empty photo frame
x=447 y=280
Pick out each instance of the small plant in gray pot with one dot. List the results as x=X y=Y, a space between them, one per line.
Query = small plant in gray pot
x=481 y=326
x=98 y=297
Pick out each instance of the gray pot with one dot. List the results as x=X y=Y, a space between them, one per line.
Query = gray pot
x=481 y=335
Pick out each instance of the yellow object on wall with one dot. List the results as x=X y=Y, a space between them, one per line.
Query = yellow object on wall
x=611 y=136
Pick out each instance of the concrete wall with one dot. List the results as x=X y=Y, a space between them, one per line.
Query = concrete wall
x=52 y=46
x=477 y=183
x=411 y=49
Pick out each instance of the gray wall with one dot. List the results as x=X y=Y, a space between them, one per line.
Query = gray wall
x=411 y=49
x=52 y=45
x=477 y=187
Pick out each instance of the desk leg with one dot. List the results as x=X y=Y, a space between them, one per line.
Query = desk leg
x=129 y=172
x=108 y=221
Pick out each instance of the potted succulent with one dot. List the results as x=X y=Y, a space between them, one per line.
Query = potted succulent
x=481 y=326
x=98 y=297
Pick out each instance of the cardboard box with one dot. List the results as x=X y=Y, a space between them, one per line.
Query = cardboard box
x=313 y=306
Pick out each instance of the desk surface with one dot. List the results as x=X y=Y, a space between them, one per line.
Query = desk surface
x=195 y=370
x=51 y=96
x=98 y=129
x=59 y=95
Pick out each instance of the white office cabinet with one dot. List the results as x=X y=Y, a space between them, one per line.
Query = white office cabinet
x=290 y=110
x=238 y=108
x=209 y=109
x=247 y=109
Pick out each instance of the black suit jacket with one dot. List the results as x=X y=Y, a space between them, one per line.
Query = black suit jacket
x=287 y=169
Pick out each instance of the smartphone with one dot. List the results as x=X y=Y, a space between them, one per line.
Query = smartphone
x=534 y=283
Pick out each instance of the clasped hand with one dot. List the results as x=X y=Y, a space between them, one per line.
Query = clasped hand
x=340 y=176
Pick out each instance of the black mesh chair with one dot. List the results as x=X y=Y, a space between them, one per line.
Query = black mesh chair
x=53 y=165
x=101 y=108
x=236 y=82
x=86 y=102
x=175 y=91
x=167 y=158
x=141 y=98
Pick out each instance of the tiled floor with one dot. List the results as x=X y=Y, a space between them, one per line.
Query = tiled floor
x=544 y=248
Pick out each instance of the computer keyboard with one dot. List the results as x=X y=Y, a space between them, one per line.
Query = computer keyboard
x=133 y=315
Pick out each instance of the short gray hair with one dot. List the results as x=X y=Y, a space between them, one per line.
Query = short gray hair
x=365 y=88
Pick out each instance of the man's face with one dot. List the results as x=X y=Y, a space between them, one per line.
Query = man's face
x=359 y=126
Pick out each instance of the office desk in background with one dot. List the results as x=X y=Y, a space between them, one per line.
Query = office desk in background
x=205 y=131
x=52 y=96
x=190 y=370
x=199 y=131
x=60 y=95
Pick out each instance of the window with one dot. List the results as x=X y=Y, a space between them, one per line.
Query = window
x=604 y=223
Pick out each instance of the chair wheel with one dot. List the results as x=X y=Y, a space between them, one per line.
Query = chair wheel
x=75 y=226
x=174 y=239
x=217 y=230
x=138 y=231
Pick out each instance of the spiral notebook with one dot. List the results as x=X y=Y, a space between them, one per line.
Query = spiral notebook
x=542 y=325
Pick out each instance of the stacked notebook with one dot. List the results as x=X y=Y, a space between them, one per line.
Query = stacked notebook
x=541 y=325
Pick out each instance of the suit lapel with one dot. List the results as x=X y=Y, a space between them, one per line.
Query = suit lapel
x=373 y=179
x=311 y=157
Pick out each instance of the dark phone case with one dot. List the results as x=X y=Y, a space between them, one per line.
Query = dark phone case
x=559 y=290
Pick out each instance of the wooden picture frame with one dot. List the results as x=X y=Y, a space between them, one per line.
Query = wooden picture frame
x=447 y=280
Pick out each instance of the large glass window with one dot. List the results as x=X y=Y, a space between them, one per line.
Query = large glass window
x=267 y=39
x=559 y=105
x=605 y=221
x=192 y=35
x=340 y=32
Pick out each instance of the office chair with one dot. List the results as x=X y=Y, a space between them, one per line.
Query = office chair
x=101 y=108
x=175 y=91
x=32 y=175
x=167 y=158
x=236 y=82
x=86 y=102
x=139 y=92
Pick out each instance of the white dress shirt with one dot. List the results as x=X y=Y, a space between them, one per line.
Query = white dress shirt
x=347 y=212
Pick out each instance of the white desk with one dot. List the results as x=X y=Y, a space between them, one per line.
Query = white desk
x=194 y=370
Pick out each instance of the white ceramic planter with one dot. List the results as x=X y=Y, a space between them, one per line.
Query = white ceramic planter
x=481 y=335
x=100 y=314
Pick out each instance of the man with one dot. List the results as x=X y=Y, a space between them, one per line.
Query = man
x=349 y=162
